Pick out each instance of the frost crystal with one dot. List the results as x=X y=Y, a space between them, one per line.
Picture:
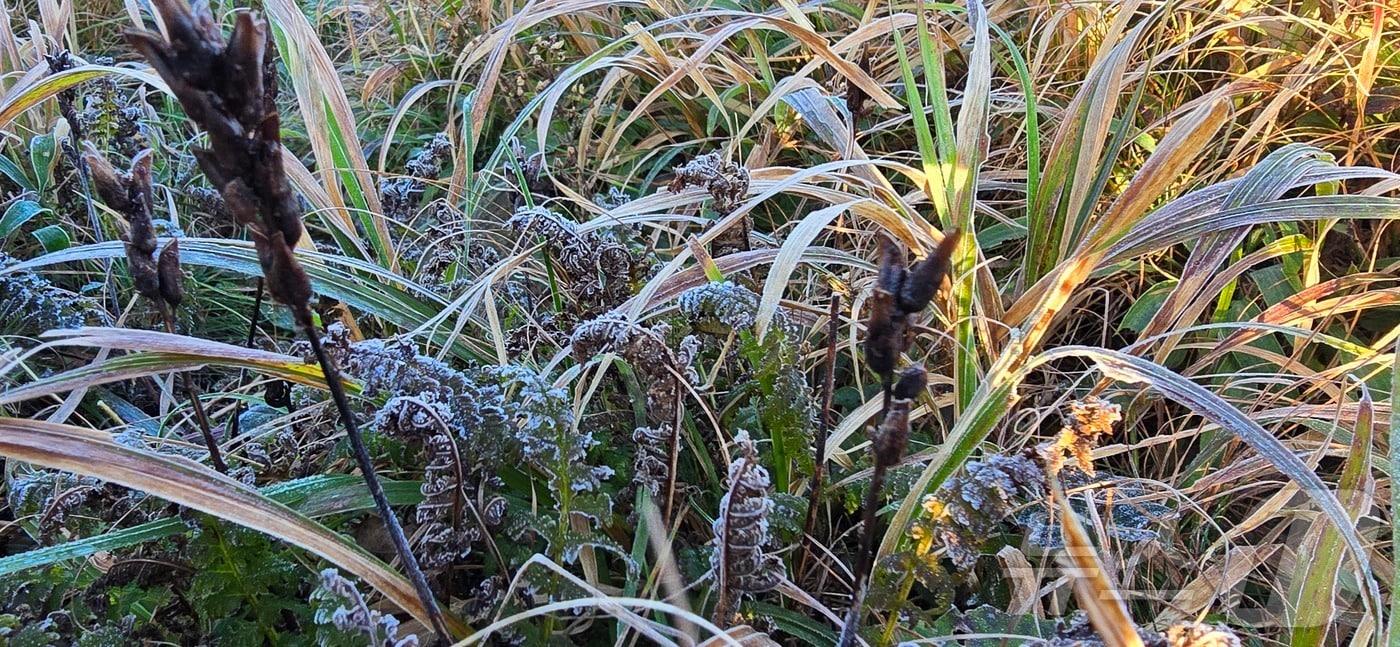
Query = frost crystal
x=401 y=195
x=1125 y=517
x=727 y=182
x=968 y=508
x=740 y=560
x=542 y=418
x=469 y=402
x=340 y=606
x=30 y=304
x=657 y=366
x=726 y=305
x=598 y=270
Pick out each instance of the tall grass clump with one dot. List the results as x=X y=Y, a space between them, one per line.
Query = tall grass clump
x=688 y=323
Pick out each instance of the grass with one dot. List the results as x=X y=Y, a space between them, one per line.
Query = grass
x=600 y=278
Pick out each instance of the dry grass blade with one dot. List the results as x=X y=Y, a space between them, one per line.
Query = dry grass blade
x=1095 y=593
x=1125 y=368
x=35 y=89
x=330 y=125
x=92 y=453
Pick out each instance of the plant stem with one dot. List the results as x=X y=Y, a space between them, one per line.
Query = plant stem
x=866 y=556
x=302 y=314
x=201 y=418
x=823 y=431
x=252 y=335
x=673 y=451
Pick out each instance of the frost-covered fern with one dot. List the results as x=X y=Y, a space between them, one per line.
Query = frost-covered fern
x=344 y=619
x=741 y=562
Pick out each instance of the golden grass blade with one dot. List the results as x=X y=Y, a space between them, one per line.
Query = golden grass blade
x=38 y=86
x=1128 y=369
x=1073 y=153
x=93 y=453
x=1201 y=592
x=1393 y=436
x=1095 y=593
x=143 y=364
x=330 y=125
x=1178 y=150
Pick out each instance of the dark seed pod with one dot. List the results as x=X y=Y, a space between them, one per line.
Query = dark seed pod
x=244 y=55
x=912 y=382
x=286 y=280
x=141 y=233
x=884 y=334
x=109 y=182
x=927 y=275
x=892 y=271
x=892 y=436
x=144 y=273
x=172 y=281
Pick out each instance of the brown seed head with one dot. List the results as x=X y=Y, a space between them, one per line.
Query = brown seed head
x=107 y=180
x=912 y=382
x=892 y=270
x=891 y=438
x=229 y=88
x=144 y=273
x=172 y=281
x=926 y=276
x=884 y=334
x=141 y=232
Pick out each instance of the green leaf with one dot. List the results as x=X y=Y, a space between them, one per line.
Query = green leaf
x=19 y=212
x=42 y=149
x=12 y=171
x=1146 y=307
x=53 y=238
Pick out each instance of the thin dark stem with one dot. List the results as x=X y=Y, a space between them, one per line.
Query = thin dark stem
x=357 y=446
x=823 y=431
x=866 y=557
x=242 y=374
x=201 y=418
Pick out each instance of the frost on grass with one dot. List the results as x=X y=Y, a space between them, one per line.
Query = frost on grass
x=343 y=618
x=541 y=416
x=741 y=561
